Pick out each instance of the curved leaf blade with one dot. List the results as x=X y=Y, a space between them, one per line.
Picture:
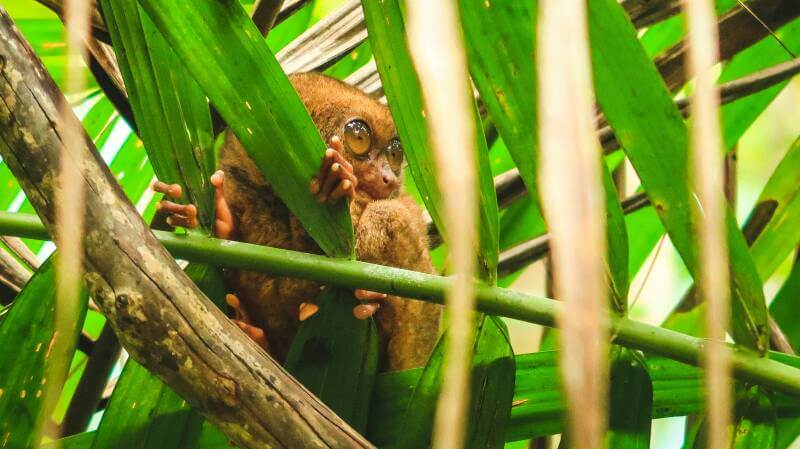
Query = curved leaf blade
x=755 y=421
x=492 y=389
x=501 y=64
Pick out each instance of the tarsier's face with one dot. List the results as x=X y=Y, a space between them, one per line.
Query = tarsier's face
x=365 y=126
x=377 y=159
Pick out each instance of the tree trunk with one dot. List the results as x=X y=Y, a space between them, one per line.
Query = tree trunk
x=160 y=316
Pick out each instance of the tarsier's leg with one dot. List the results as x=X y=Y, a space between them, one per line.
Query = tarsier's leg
x=186 y=216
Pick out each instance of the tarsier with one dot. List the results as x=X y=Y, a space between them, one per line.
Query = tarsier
x=363 y=165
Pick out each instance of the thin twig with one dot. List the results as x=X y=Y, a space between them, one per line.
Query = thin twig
x=767 y=27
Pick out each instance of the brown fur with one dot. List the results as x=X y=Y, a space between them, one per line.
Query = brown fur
x=388 y=231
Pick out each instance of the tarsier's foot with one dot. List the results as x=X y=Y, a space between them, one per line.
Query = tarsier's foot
x=242 y=319
x=186 y=215
x=370 y=305
x=335 y=179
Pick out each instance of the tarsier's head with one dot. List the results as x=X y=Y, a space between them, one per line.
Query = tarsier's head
x=365 y=126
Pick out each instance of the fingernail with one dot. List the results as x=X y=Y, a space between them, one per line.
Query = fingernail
x=169 y=221
x=346 y=184
x=335 y=167
x=330 y=152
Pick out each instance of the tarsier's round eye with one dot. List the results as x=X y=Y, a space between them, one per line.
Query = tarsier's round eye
x=394 y=153
x=357 y=137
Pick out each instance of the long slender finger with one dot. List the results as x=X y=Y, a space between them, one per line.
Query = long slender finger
x=366 y=295
x=344 y=188
x=182 y=221
x=337 y=144
x=341 y=181
x=187 y=210
x=364 y=311
x=329 y=183
x=224 y=227
x=324 y=170
x=174 y=191
x=338 y=157
x=307 y=310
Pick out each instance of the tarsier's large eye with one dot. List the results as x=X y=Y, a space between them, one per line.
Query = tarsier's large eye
x=394 y=153
x=357 y=137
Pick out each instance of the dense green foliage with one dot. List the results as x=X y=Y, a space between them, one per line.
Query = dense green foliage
x=176 y=59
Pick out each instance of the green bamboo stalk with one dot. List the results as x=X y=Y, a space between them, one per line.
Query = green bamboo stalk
x=747 y=365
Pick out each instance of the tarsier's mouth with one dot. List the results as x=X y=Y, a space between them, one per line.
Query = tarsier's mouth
x=377 y=193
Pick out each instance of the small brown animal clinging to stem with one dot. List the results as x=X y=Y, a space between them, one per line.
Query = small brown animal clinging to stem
x=362 y=165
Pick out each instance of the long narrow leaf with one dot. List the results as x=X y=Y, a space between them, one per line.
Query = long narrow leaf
x=784 y=310
x=755 y=421
x=777 y=213
x=501 y=63
x=491 y=392
x=775 y=220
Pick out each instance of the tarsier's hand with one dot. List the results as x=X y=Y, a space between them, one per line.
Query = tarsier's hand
x=335 y=179
x=186 y=215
